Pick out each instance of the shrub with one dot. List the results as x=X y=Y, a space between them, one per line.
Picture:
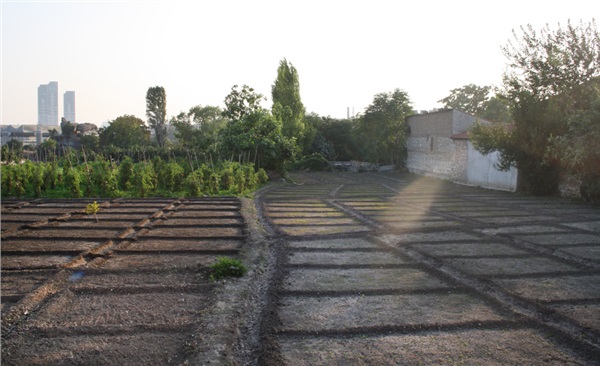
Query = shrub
x=125 y=173
x=73 y=182
x=194 y=183
x=227 y=267
x=262 y=176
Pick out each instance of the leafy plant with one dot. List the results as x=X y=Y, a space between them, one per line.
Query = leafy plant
x=227 y=267
x=93 y=209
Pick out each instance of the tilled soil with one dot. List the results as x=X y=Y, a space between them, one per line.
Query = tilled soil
x=379 y=269
x=129 y=289
x=344 y=269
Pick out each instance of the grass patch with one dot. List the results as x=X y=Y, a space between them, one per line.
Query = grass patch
x=227 y=267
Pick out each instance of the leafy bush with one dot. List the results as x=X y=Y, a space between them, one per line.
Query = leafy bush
x=227 y=267
x=125 y=173
x=73 y=182
x=194 y=183
x=144 y=179
x=262 y=176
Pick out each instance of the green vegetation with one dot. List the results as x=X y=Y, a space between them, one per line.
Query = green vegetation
x=545 y=121
x=227 y=267
x=93 y=209
x=553 y=91
x=101 y=178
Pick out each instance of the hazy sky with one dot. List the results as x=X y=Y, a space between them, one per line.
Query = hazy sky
x=111 y=52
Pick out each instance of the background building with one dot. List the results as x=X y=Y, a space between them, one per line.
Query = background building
x=438 y=145
x=48 y=104
x=28 y=134
x=69 y=106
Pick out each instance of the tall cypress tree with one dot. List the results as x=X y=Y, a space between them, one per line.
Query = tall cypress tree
x=156 y=111
x=287 y=105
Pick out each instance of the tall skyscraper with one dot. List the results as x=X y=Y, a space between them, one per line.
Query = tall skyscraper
x=48 y=104
x=69 y=106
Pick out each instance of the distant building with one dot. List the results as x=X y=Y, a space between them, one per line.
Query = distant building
x=48 y=104
x=438 y=145
x=69 y=106
x=27 y=134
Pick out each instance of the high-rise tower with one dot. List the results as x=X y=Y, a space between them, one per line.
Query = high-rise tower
x=69 y=106
x=48 y=104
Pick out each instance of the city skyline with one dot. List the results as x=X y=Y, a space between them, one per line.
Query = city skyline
x=345 y=52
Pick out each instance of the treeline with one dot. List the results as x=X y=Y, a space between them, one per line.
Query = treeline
x=545 y=121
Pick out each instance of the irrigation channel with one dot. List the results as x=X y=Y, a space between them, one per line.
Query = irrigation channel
x=344 y=269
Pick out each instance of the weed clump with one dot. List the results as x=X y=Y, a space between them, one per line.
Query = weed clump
x=227 y=267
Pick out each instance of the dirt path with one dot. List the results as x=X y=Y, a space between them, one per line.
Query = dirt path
x=401 y=270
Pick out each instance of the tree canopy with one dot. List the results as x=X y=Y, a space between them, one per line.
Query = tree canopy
x=254 y=136
x=125 y=132
x=551 y=84
x=383 y=127
x=287 y=104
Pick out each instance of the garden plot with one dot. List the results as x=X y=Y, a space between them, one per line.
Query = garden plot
x=135 y=297
x=319 y=314
x=494 y=347
x=441 y=275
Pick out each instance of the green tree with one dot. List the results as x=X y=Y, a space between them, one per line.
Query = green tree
x=199 y=128
x=550 y=79
x=287 y=104
x=382 y=128
x=240 y=103
x=478 y=101
x=67 y=128
x=469 y=98
x=125 y=132
x=47 y=150
x=156 y=111
x=12 y=151
x=578 y=149
x=90 y=142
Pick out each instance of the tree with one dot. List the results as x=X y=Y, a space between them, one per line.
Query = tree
x=90 y=142
x=550 y=80
x=125 y=132
x=578 y=149
x=47 y=149
x=382 y=128
x=287 y=104
x=67 y=128
x=198 y=128
x=252 y=134
x=469 y=98
x=156 y=111
x=240 y=103
x=478 y=101
x=12 y=151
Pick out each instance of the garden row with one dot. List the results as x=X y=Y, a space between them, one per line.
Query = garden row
x=104 y=178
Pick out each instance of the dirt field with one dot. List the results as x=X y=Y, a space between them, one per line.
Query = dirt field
x=345 y=269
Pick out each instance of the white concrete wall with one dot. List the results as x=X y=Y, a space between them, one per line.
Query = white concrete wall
x=482 y=172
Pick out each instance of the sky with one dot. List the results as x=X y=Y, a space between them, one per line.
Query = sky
x=345 y=52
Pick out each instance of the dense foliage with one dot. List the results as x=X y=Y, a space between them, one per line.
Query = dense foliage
x=105 y=178
x=287 y=104
x=383 y=128
x=552 y=90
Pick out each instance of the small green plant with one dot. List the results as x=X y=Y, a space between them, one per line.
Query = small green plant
x=227 y=267
x=92 y=209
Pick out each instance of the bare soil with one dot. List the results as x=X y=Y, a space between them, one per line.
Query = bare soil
x=344 y=269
